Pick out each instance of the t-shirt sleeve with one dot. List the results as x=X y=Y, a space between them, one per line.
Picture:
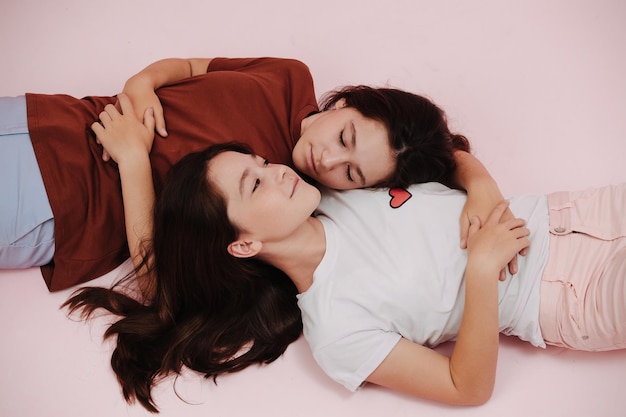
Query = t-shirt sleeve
x=294 y=75
x=351 y=359
x=257 y=65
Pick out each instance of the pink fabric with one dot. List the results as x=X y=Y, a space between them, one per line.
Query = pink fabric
x=538 y=87
x=583 y=290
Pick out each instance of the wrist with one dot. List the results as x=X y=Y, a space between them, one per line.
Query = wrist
x=481 y=270
x=133 y=160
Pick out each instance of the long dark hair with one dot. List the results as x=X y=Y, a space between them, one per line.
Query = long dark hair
x=211 y=312
x=418 y=132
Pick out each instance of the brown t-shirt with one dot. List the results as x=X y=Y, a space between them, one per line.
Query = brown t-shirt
x=259 y=101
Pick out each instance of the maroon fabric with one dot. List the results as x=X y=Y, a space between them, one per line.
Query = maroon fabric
x=259 y=101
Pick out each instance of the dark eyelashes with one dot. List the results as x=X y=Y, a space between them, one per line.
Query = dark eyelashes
x=266 y=162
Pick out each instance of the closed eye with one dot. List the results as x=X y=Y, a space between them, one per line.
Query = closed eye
x=343 y=143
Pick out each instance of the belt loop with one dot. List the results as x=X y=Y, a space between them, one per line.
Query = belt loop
x=559 y=211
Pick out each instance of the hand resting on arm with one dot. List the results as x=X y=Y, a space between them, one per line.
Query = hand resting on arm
x=468 y=376
x=129 y=142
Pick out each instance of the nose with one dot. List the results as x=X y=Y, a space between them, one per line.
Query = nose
x=280 y=171
x=332 y=159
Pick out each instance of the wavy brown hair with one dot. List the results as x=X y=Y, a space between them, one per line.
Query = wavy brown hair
x=418 y=132
x=211 y=312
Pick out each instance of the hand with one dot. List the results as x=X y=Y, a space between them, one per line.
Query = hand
x=491 y=246
x=481 y=205
x=122 y=135
x=142 y=96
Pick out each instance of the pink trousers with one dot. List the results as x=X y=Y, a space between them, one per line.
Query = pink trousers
x=583 y=289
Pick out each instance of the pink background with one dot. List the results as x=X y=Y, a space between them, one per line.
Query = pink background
x=537 y=86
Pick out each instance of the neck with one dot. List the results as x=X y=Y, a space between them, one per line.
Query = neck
x=300 y=254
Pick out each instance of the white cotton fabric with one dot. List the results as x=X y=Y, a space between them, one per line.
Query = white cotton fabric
x=390 y=273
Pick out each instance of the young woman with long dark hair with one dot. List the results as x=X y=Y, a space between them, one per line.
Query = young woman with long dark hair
x=378 y=276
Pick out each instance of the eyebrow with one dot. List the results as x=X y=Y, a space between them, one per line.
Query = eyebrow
x=358 y=169
x=244 y=176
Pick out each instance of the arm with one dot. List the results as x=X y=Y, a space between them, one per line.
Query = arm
x=129 y=142
x=468 y=376
x=469 y=170
x=482 y=190
x=140 y=88
x=483 y=195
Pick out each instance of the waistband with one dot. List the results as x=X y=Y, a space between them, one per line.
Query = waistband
x=597 y=212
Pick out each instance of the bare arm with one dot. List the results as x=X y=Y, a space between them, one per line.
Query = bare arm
x=129 y=142
x=468 y=376
x=482 y=190
x=140 y=88
x=167 y=71
x=483 y=195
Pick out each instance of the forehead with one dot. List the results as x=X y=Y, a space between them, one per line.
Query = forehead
x=226 y=163
x=221 y=161
x=373 y=151
x=226 y=168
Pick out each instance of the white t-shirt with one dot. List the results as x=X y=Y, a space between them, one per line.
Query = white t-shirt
x=399 y=272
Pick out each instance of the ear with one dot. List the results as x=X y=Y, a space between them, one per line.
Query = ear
x=244 y=248
x=340 y=104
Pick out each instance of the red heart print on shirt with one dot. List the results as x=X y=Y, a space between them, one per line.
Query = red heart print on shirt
x=399 y=196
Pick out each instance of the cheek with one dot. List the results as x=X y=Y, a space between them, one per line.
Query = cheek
x=298 y=157
x=318 y=134
x=388 y=168
x=250 y=218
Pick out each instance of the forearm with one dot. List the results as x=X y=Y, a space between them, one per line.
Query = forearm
x=470 y=173
x=483 y=193
x=138 y=196
x=168 y=71
x=474 y=359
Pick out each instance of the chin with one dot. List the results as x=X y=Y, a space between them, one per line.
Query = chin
x=299 y=163
x=318 y=198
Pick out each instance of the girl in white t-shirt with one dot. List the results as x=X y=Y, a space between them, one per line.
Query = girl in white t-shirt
x=379 y=276
x=382 y=280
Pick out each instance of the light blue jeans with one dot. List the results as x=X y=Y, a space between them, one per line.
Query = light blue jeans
x=26 y=221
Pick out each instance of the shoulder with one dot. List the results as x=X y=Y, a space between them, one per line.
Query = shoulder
x=262 y=64
x=351 y=359
x=346 y=342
